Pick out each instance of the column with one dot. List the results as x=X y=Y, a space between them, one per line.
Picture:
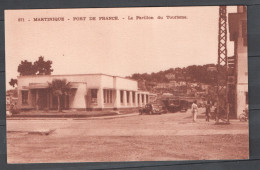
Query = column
x=124 y=98
x=145 y=99
x=136 y=100
x=29 y=97
x=140 y=100
x=37 y=99
x=65 y=102
x=131 y=98
x=100 y=98
x=117 y=103
x=19 y=103
x=50 y=100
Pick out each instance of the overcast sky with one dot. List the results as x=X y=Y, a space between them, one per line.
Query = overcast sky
x=120 y=47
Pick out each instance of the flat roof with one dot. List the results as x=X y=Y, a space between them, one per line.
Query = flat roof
x=74 y=75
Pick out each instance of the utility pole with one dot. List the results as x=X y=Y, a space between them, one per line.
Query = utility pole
x=222 y=105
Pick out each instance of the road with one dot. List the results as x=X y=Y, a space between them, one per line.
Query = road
x=170 y=136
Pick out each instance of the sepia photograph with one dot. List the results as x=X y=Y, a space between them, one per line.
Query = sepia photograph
x=126 y=84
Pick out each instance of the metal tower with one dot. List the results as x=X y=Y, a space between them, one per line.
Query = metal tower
x=222 y=105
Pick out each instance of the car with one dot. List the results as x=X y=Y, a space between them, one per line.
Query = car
x=152 y=109
x=184 y=105
x=173 y=105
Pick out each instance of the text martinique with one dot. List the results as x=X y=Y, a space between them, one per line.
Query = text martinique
x=49 y=19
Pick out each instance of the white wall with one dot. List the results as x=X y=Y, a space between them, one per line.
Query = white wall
x=242 y=73
x=241 y=98
x=242 y=61
x=126 y=84
x=79 y=98
x=91 y=81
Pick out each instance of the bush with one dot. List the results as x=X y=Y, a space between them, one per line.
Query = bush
x=14 y=110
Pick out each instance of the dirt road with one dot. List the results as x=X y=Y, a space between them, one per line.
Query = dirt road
x=170 y=136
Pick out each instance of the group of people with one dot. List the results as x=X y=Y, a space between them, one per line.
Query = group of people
x=209 y=108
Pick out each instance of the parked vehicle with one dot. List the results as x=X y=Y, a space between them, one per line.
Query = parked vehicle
x=176 y=105
x=184 y=105
x=152 y=109
x=172 y=105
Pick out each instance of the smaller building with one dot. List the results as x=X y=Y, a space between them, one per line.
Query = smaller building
x=170 y=76
x=8 y=101
x=88 y=92
x=11 y=98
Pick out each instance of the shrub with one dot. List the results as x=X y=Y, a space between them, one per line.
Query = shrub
x=14 y=110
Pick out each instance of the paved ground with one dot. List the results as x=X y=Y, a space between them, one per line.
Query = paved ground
x=130 y=137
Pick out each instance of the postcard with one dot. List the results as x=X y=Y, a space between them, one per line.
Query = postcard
x=126 y=84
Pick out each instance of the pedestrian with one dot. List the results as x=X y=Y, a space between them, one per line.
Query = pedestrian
x=207 y=110
x=194 y=110
x=216 y=111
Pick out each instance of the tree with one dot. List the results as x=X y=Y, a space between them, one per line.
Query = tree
x=60 y=87
x=43 y=67
x=13 y=82
x=39 y=67
x=26 y=68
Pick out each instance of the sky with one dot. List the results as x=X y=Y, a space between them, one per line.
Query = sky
x=116 y=47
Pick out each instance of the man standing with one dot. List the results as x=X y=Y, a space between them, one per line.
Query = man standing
x=207 y=110
x=194 y=110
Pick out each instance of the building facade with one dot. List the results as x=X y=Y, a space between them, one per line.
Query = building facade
x=238 y=34
x=87 y=92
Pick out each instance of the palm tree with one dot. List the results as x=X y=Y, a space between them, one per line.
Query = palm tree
x=60 y=87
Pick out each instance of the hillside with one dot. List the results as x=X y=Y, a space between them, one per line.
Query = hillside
x=193 y=73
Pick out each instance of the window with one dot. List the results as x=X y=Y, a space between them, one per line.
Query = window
x=142 y=98
x=104 y=95
x=133 y=96
x=121 y=96
x=147 y=98
x=127 y=96
x=24 y=97
x=138 y=98
x=107 y=96
x=94 y=95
